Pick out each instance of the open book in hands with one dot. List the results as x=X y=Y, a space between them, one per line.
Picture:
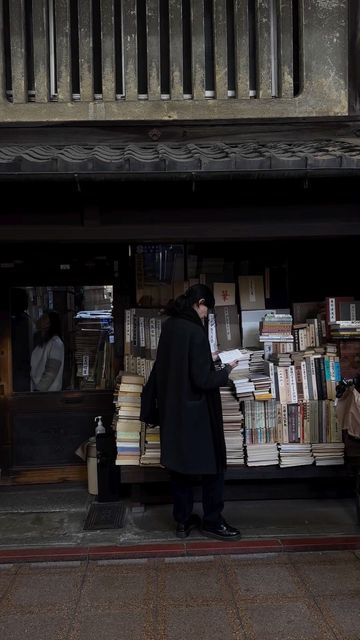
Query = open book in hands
x=230 y=356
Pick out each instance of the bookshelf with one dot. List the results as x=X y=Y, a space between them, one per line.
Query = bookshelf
x=304 y=341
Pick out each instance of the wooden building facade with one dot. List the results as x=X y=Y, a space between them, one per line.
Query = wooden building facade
x=231 y=124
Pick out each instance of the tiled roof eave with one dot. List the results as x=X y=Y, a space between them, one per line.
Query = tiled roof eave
x=327 y=157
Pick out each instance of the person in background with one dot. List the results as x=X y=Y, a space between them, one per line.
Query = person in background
x=21 y=330
x=190 y=414
x=47 y=358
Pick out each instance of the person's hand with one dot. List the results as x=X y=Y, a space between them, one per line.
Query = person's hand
x=233 y=364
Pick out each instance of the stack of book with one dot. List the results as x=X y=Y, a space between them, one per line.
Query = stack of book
x=243 y=387
x=240 y=376
x=151 y=447
x=233 y=427
x=345 y=329
x=256 y=361
x=304 y=375
x=327 y=454
x=295 y=455
x=308 y=334
x=262 y=455
x=262 y=384
x=127 y=419
x=142 y=333
x=94 y=351
x=275 y=333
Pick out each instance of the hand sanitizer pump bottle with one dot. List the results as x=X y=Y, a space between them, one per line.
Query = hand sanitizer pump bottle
x=99 y=426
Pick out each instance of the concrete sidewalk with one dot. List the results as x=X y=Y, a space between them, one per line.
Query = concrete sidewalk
x=46 y=523
x=295 y=596
x=58 y=581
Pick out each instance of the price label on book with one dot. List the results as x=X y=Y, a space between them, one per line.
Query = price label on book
x=85 y=365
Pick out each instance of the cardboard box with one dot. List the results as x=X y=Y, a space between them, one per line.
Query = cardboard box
x=251 y=292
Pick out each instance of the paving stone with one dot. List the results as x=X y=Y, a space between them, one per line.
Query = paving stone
x=203 y=622
x=5 y=581
x=34 y=627
x=50 y=591
x=343 y=613
x=298 y=620
x=271 y=580
x=117 y=586
x=192 y=581
x=331 y=578
x=112 y=626
x=322 y=557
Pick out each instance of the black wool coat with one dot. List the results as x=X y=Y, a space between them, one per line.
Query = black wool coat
x=191 y=425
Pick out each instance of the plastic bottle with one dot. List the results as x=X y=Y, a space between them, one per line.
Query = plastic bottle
x=99 y=426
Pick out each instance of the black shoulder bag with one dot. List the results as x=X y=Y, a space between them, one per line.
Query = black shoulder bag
x=149 y=411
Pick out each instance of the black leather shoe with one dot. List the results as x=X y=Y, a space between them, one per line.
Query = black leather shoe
x=183 y=529
x=221 y=531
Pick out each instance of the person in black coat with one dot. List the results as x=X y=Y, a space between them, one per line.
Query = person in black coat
x=190 y=415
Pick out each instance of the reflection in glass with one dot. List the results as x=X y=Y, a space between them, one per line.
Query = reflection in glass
x=62 y=338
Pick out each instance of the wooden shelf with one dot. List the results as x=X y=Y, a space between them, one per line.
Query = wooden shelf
x=139 y=475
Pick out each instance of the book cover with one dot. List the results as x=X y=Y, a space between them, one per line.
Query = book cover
x=227 y=327
x=224 y=293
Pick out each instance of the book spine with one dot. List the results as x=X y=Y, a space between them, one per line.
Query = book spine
x=313 y=378
x=153 y=344
x=299 y=382
x=158 y=331
x=312 y=334
x=292 y=422
x=282 y=384
x=327 y=367
x=278 y=422
x=285 y=427
x=268 y=350
x=304 y=380
x=142 y=336
x=147 y=337
x=331 y=310
x=323 y=377
x=302 y=339
x=296 y=340
x=272 y=379
x=212 y=333
x=127 y=345
x=292 y=384
x=301 y=431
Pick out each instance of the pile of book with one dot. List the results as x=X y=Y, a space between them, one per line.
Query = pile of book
x=304 y=375
x=142 y=333
x=261 y=455
x=249 y=378
x=127 y=419
x=233 y=427
x=276 y=327
x=345 y=329
x=295 y=455
x=94 y=351
x=308 y=334
x=328 y=453
x=150 y=446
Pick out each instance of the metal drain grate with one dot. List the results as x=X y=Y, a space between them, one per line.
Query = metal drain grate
x=106 y=515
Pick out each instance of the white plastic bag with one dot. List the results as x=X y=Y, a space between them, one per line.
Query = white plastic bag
x=348 y=412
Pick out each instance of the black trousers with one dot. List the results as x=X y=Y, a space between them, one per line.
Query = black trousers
x=212 y=496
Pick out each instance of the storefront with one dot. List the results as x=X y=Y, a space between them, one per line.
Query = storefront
x=70 y=244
